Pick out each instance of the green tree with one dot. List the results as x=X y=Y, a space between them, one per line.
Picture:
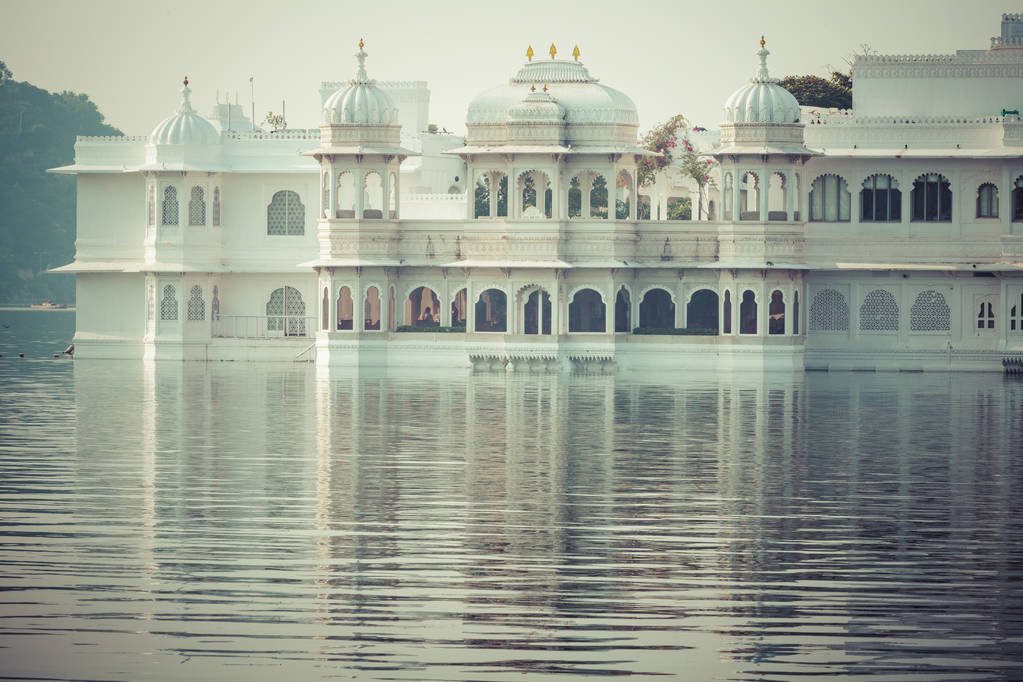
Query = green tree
x=814 y=91
x=37 y=223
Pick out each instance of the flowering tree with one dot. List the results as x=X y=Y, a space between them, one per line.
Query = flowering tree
x=665 y=138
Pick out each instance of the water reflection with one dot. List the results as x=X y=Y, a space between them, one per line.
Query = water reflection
x=186 y=518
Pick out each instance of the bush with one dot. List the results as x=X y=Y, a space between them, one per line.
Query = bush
x=437 y=330
x=678 y=331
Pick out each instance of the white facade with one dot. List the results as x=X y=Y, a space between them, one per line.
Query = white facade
x=888 y=237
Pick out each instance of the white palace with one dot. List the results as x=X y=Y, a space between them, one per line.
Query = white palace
x=888 y=236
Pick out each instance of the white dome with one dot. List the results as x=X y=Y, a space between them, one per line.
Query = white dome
x=361 y=102
x=584 y=99
x=184 y=127
x=762 y=100
x=537 y=107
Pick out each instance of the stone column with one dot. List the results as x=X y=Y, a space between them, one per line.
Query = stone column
x=790 y=190
x=765 y=195
x=445 y=302
x=397 y=190
x=736 y=196
x=555 y=292
x=385 y=194
x=360 y=192
x=470 y=305
x=358 y=303
x=495 y=188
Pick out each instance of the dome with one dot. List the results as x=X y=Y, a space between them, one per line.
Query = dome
x=360 y=102
x=184 y=127
x=762 y=100
x=537 y=107
x=582 y=98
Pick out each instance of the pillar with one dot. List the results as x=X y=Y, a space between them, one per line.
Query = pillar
x=764 y=194
x=790 y=191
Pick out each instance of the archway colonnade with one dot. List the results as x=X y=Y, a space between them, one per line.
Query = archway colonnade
x=766 y=307
x=554 y=193
x=360 y=188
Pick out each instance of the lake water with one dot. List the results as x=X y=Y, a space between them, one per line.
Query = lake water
x=266 y=522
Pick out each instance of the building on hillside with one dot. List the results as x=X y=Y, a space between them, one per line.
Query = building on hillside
x=889 y=236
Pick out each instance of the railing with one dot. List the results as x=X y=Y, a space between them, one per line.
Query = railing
x=263 y=326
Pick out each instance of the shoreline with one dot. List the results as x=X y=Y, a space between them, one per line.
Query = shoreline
x=3 y=307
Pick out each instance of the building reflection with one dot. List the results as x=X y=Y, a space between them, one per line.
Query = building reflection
x=771 y=514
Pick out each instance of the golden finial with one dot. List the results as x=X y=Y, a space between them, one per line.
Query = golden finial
x=575 y=53
x=186 y=81
x=553 y=50
x=545 y=87
x=532 y=88
x=762 y=41
x=529 y=53
x=361 y=44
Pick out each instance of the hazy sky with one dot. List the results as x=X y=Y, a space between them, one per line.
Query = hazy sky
x=671 y=57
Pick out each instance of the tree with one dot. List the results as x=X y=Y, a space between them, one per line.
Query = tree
x=814 y=91
x=37 y=223
x=693 y=164
x=661 y=139
x=275 y=121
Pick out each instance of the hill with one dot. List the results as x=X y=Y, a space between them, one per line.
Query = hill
x=37 y=209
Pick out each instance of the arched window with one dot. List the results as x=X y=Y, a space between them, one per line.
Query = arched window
x=169 y=303
x=829 y=312
x=492 y=311
x=196 y=306
x=373 y=198
x=459 y=309
x=152 y=204
x=880 y=200
x=216 y=207
x=749 y=196
x=1017 y=200
x=586 y=312
x=777 y=197
x=929 y=313
x=325 y=310
x=987 y=201
x=345 y=196
x=1016 y=314
x=623 y=310
x=879 y=312
x=575 y=198
x=984 y=305
x=829 y=199
x=679 y=208
x=931 y=198
x=598 y=198
x=169 y=213
x=197 y=207
x=422 y=308
x=371 y=310
x=623 y=195
x=776 y=313
x=702 y=310
x=536 y=315
x=285 y=215
x=657 y=310
x=748 y=313
x=285 y=312
x=727 y=313
x=345 y=309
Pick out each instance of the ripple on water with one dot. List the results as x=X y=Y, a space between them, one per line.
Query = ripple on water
x=217 y=520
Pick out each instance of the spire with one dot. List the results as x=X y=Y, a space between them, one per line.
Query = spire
x=360 y=74
x=186 y=106
x=762 y=75
x=553 y=50
x=576 y=53
x=529 y=53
